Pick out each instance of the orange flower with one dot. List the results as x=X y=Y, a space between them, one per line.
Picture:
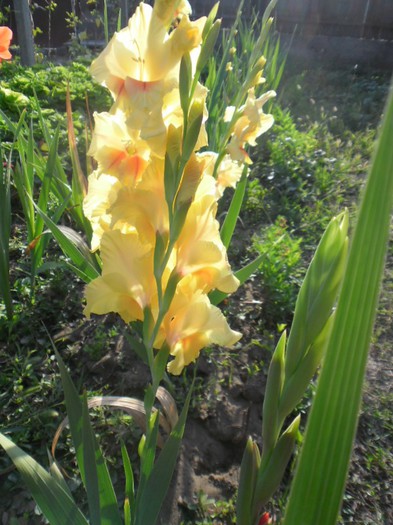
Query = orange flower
x=5 y=40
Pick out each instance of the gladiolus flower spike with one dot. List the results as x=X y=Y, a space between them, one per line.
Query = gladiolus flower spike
x=152 y=201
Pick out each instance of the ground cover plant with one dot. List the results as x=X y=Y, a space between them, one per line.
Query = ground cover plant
x=216 y=370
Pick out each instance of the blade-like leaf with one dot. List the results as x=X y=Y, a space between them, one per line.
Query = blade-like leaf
x=5 y=233
x=243 y=274
x=110 y=514
x=79 y=181
x=230 y=221
x=320 y=478
x=43 y=201
x=156 y=487
x=83 y=261
x=89 y=460
x=129 y=500
x=55 y=503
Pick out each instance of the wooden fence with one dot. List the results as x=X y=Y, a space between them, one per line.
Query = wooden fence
x=368 y=19
x=371 y=19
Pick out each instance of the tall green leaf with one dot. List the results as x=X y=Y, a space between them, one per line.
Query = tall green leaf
x=73 y=246
x=110 y=514
x=157 y=485
x=55 y=503
x=5 y=233
x=89 y=460
x=232 y=215
x=319 y=481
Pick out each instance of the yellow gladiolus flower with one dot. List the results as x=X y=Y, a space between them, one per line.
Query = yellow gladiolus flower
x=127 y=284
x=192 y=323
x=144 y=51
x=228 y=172
x=140 y=66
x=118 y=150
x=251 y=123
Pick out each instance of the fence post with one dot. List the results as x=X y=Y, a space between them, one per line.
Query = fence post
x=25 y=31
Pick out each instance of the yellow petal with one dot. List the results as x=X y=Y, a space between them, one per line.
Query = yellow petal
x=127 y=284
x=102 y=193
x=200 y=251
x=193 y=323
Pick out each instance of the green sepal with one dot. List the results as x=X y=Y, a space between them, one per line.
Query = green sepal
x=137 y=345
x=296 y=385
x=185 y=77
x=274 y=385
x=159 y=251
x=148 y=324
x=160 y=362
x=85 y=265
x=179 y=220
x=194 y=128
x=170 y=290
x=270 y=475
x=248 y=476
x=318 y=293
x=208 y=46
x=169 y=181
x=210 y=19
x=147 y=452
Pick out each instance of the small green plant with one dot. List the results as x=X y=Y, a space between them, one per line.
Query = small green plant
x=280 y=270
x=207 y=511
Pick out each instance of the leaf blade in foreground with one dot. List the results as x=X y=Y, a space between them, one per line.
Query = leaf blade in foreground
x=321 y=473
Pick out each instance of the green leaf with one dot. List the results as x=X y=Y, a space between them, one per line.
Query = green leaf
x=75 y=249
x=43 y=205
x=108 y=504
x=157 y=485
x=89 y=461
x=243 y=274
x=319 y=481
x=55 y=503
x=230 y=221
x=129 y=500
x=5 y=233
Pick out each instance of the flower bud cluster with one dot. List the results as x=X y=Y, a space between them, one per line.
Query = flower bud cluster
x=152 y=201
